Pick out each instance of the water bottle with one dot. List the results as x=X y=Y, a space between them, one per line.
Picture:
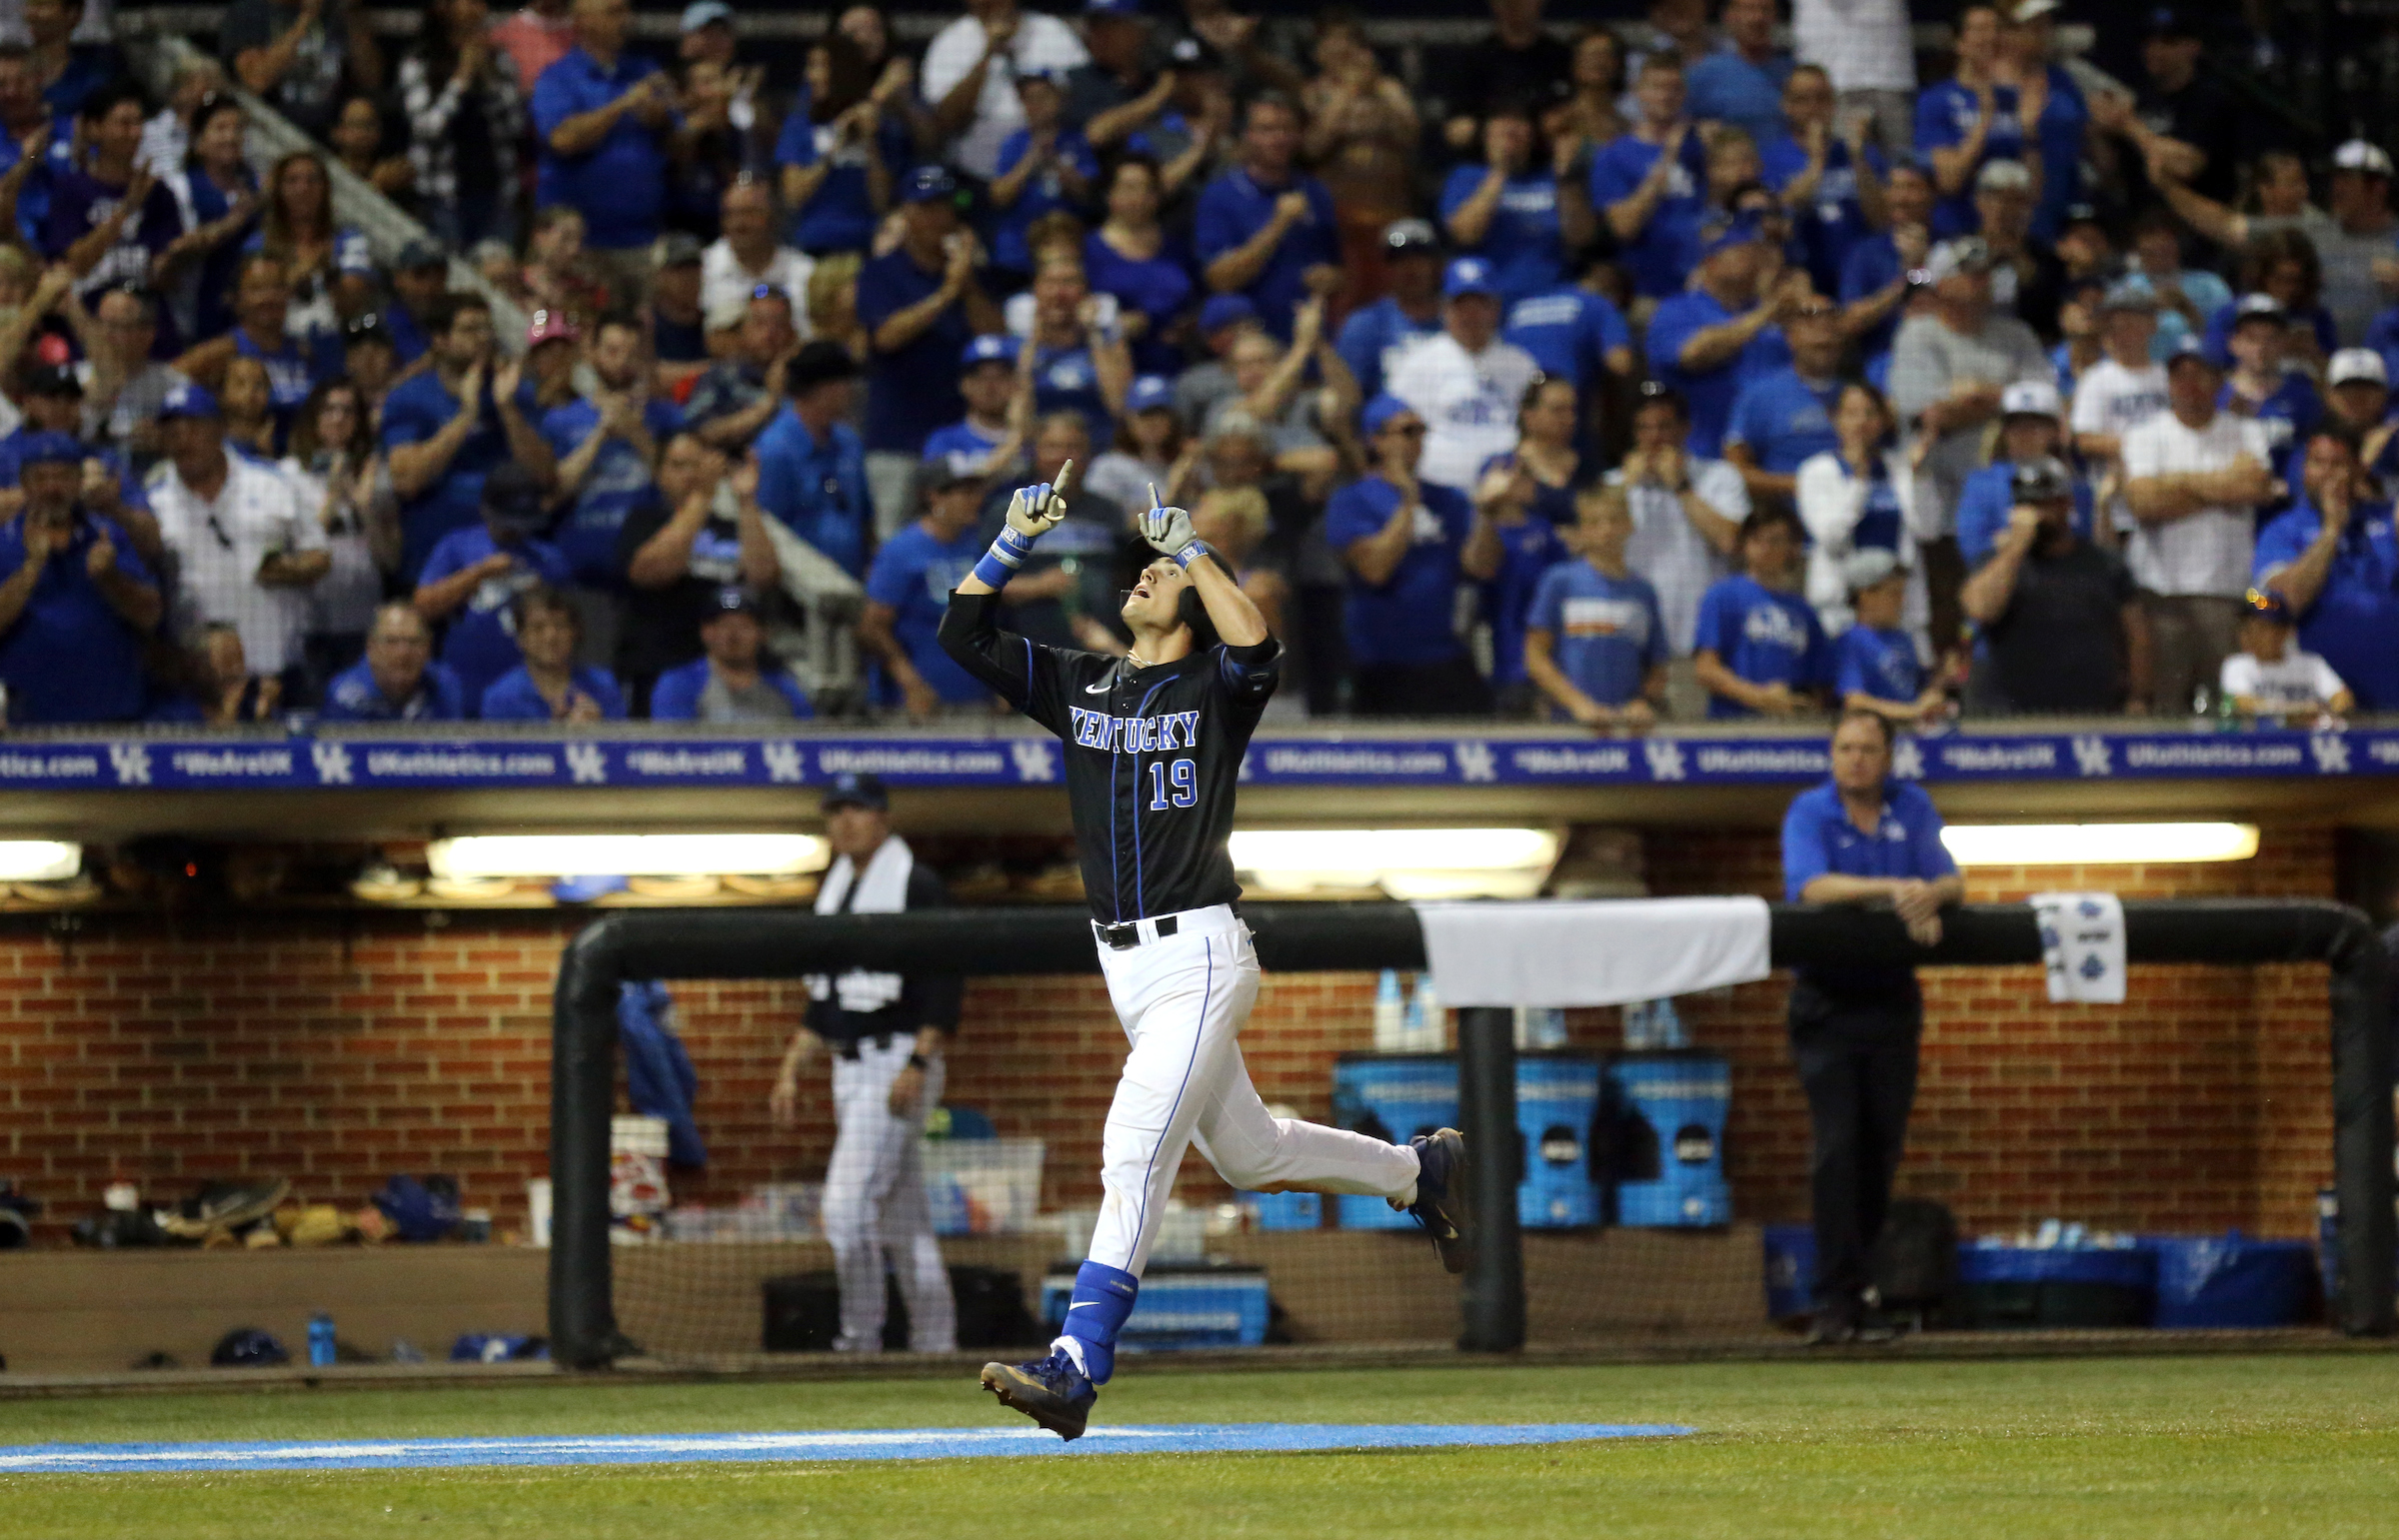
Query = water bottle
x=1665 y=1026
x=320 y=1340
x=1427 y=1025
x=1390 y=1013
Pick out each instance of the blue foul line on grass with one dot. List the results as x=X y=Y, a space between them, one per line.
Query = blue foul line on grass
x=878 y=1444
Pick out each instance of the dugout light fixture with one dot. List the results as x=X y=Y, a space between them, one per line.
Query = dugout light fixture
x=39 y=861
x=2097 y=845
x=631 y=856
x=1403 y=862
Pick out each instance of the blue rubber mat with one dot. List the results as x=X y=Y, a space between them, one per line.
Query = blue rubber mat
x=878 y=1444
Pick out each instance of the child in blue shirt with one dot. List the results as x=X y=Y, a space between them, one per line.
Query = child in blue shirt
x=1874 y=664
x=1595 y=643
x=1759 y=647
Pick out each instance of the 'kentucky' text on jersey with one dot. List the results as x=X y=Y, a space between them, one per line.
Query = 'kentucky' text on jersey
x=1153 y=753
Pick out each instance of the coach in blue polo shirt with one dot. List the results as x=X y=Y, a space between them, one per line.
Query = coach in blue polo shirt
x=606 y=119
x=1265 y=229
x=76 y=601
x=921 y=304
x=812 y=472
x=1709 y=341
x=1860 y=838
x=1408 y=545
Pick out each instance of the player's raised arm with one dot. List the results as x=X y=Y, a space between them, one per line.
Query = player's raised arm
x=1230 y=611
x=1032 y=513
x=1011 y=665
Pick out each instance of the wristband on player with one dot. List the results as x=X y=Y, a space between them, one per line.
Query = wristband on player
x=1190 y=553
x=999 y=564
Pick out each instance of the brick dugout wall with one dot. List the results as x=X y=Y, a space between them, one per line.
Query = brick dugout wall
x=270 y=1045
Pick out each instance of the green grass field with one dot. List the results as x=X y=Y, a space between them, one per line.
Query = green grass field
x=2088 y=1448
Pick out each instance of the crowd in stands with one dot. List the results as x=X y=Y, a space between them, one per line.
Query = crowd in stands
x=1611 y=373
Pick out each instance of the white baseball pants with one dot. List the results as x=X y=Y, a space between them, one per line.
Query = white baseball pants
x=875 y=1203
x=1184 y=1000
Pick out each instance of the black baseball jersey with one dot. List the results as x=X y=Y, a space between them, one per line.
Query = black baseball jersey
x=1153 y=753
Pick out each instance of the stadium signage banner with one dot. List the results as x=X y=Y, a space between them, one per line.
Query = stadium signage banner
x=365 y=764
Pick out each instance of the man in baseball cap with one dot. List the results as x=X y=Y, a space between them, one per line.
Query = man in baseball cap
x=2357 y=398
x=733 y=680
x=2031 y=428
x=1466 y=383
x=2064 y=629
x=2128 y=384
x=907 y=588
x=888 y=1035
x=2259 y=385
x=2194 y=479
x=2358 y=197
x=1706 y=342
x=1411 y=312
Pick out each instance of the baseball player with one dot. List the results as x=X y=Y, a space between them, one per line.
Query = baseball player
x=886 y=1034
x=1154 y=744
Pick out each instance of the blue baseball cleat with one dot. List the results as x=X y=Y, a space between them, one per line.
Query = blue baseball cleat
x=1051 y=1391
x=1441 y=1205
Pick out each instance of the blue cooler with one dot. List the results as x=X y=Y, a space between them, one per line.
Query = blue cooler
x=1191 y=1305
x=1394 y=1097
x=1285 y=1210
x=1790 y=1270
x=2014 y=1287
x=1666 y=1114
x=2230 y=1280
x=1558 y=1102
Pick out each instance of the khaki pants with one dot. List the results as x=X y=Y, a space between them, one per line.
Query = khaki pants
x=2190 y=635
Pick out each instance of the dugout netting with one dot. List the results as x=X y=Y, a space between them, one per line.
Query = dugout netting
x=705 y=1288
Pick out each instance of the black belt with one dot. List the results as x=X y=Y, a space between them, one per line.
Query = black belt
x=884 y=1040
x=1128 y=935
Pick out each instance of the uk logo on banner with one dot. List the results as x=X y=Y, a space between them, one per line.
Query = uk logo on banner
x=1665 y=759
x=587 y=763
x=2093 y=755
x=1034 y=759
x=1475 y=762
x=131 y=761
x=333 y=764
x=782 y=763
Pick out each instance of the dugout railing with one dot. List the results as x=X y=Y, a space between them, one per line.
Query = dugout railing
x=1315 y=938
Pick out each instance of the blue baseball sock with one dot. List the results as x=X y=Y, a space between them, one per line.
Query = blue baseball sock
x=1103 y=1299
